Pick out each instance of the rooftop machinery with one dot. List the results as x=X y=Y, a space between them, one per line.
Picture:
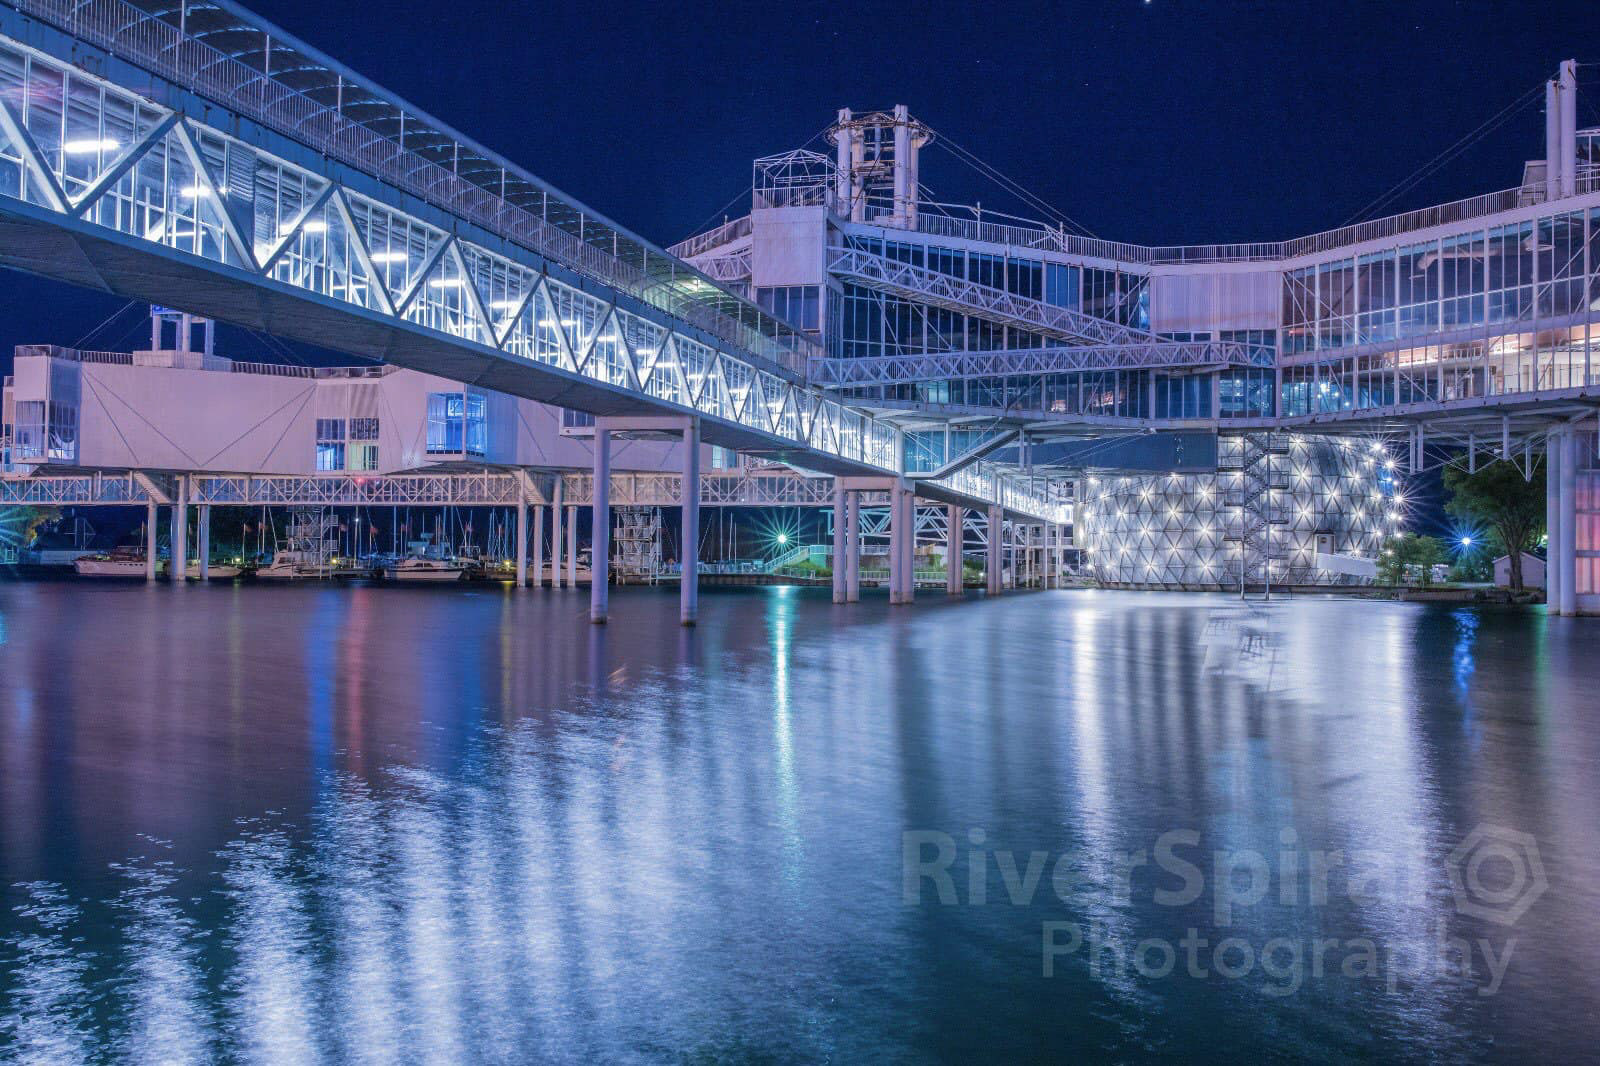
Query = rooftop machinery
x=877 y=167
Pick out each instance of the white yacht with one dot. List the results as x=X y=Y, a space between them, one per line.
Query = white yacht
x=216 y=572
x=428 y=561
x=291 y=566
x=583 y=573
x=418 y=568
x=118 y=562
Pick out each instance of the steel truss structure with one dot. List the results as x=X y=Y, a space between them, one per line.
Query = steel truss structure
x=836 y=372
x=255 y=69
x=465 y=488
x=1270 y=500
x=119 y=168
x=957 y=294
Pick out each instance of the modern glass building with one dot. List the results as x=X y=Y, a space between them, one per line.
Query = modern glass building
x=984 y=333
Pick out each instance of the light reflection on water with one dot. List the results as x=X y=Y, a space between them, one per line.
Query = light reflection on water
x=302 y=825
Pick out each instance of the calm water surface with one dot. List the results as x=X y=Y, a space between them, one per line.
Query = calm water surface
x=393 y=825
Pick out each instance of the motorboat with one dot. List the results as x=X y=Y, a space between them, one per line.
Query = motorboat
x=292 y=566
x=216 y=571
x=426 y=560
x=421 y=568
x=582 y=574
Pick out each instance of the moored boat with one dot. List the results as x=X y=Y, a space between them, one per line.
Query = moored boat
x=418 y=568
x=216 y=571
x=119 y=562
x=291 y=566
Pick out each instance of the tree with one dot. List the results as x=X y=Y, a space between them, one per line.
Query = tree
x=1403 y=554
x=1500 y=497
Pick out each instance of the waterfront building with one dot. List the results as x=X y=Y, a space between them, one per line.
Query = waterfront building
x=1211 y=416
x=1195 y=392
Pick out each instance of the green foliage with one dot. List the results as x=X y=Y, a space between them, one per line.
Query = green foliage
x=1410 y=559
x=808 y=568
x=1501 y=499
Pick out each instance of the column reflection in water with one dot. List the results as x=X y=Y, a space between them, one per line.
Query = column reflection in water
x=456 y=824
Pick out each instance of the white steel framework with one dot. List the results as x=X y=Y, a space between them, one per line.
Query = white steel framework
x=957 y=294
x=118 y=172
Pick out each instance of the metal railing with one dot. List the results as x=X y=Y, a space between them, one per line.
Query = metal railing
x=1021 y=233
x=283 y=370
x=131 y=33
x=711 y=238
x=56 y=351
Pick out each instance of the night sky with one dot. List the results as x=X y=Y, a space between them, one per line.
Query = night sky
x=1156 y=122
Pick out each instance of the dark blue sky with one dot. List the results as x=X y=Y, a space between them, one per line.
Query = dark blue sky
x=1163 y=122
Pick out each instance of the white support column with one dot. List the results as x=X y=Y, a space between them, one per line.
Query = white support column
x=538 y=547
x=992 y=552
x=202 y=547
x=852 y=551
x=908 y=591
x=1045 y=540
x=522 y=540
x=600 y=552
x=839 y=522
x=897 y=532
x=556 y=533
x=1567 y=97
x=179 y=536
x=689 y=581
x=1552 y=140
x=1568 y=562
x=150 y=522
x=572 y=544
x=955 y=519
x=1552 y=521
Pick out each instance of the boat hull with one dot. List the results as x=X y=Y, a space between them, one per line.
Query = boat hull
x=127 y=568
x=427 y=575
x=217 y=572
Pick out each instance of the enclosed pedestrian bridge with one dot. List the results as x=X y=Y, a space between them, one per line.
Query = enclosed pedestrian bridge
x=193 y=155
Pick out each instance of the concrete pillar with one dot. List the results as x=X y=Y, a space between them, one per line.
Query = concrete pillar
x=839 y=545
x=1552 y=140
x=600 y=563
x=1567 y=97
x=902 y=164
x=202 y=548
x=955 y=518
x=897 y=530
x=179 y=535
x=555 y=534
x=852 y=550
x=150 y=538
x=1569 y=523
x=689 y=581
x=992 y=554
x=908 y=591
x=538 y=547
x=1552 y=521
x=522 y=541
x=572 y=544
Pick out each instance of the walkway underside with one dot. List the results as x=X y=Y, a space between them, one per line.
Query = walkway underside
x=964 y=365
x=997 y=305
x=41 y=242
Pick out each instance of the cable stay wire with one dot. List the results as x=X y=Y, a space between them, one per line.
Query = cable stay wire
x=1448 y=154
x=1012 y=186
x=720 y=214
x=118 y=313
x=1051 y=213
